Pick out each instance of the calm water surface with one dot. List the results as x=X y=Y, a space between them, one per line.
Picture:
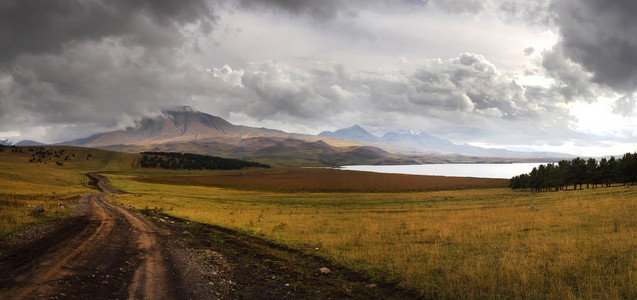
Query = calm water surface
x=460 y=170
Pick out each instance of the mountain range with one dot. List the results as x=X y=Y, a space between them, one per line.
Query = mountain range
x=186 y=130
x=416 y=141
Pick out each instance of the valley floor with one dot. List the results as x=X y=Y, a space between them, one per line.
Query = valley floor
x=104 y=251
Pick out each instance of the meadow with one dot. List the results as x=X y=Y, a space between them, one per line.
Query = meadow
x=25 y=185
x=474 y=243
x=472 y=239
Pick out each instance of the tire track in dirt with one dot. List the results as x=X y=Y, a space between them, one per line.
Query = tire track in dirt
x=116 y=255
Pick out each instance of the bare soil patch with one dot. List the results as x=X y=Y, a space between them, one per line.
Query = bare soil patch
x=327 y=180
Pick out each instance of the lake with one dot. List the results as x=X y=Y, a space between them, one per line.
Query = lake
x=459 y=170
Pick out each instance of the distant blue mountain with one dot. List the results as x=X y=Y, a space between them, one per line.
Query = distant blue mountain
x=353 y=133
x=424 y=142
x=29 y=143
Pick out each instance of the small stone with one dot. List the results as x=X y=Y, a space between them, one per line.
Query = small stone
x=211 y=283
x=371 y=286
x=317 y=249
x=287 y=284
x=325 y=271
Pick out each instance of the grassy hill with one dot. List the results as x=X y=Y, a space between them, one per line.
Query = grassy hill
x=55 y=182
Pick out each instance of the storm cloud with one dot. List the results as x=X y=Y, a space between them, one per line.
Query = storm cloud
x=64 y=63
x=464 y=70
x=41 y=27
x=441 y=93
x=600 y=36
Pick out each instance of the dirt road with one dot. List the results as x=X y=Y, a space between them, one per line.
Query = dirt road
x=103 y=251
x=115 y=254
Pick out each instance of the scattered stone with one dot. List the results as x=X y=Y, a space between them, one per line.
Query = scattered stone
x=287 y=284
x=317 y=249
x=371 y=286
x=211 y=283
x=325 y=271
x=38 y=209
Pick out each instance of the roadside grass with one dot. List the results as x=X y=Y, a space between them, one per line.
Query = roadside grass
x=25 y=185
x=481 y=243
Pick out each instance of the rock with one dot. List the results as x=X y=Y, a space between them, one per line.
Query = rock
x=38 y=209
x=287 y=284
x=317 y=249
x=371 y=286
x=211 y=283
x=325 y=271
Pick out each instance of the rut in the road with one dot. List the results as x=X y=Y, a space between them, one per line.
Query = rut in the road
x=116 y=255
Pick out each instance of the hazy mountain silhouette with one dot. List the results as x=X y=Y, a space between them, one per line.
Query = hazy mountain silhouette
x=420 y=141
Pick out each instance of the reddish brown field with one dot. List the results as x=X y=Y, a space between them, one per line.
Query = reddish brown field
x=327 y=180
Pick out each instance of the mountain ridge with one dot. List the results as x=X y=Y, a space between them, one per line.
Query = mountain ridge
x=187 y=130
x=420 y=141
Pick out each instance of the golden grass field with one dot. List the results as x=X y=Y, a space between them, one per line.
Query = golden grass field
x=481 y=243
x=470 y=243
x=24 y=185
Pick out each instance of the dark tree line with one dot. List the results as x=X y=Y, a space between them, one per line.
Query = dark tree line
x=174 y=160
x=579 y=172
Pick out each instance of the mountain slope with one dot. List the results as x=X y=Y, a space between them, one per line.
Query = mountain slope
x=181 y=125
x=355 y=133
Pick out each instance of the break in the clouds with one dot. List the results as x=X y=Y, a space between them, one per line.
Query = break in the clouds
x=514 y=73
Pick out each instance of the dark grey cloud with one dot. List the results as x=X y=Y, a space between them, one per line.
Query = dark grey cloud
x=600 y=36
x=572 y=80
x=329 y=9
x=536 y=12
x=72 y=67
x=325 y=9
x=40 y=27
x=528 y=51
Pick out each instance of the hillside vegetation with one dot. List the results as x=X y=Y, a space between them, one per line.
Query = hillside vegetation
x=174 y=160
x=51 y=177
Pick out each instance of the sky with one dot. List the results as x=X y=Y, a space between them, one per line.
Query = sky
x=523 y=75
